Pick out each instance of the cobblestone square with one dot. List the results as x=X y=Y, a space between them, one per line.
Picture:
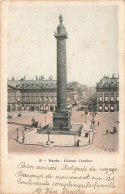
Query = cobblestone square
x=101 y=143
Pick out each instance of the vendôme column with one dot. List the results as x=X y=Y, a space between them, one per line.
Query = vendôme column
x=61 y=118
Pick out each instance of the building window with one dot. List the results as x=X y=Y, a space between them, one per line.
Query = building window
x=106 y=108
x=27 y=99
x=51 y=99
x=13 y=99
x=46 y=99
x=18 y=99
x=100 y=108
x=13 y=108
x=37 y=99
x=32 y=99
x=106 y=99
x=37 y=107
x=46 y=94
x=56 y=99
x=112 y=108
x=41 y=107
x=23 y=99
x=46 y=107
x=23 y=108
x=100 y=99
x=51 y=94
x=13 y=93
x=8 y=93
x=9 y=100
x=27 y=108
x=41 y=94
x=112 y=99
x=41 y=98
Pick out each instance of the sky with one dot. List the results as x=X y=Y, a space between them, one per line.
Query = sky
x=92 y=44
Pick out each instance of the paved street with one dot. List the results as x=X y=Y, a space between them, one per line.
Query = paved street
x=102 y=143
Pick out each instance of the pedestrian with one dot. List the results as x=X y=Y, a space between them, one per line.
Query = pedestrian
x=17 y=134
x=33 y=120
x=78 y=142
x=114 y=130
x=106 y=131
x=25 y=128
x=98 y=123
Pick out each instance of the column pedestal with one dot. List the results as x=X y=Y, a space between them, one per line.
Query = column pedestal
x=61 y=121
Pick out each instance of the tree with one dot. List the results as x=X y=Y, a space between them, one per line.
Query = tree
x=50 y=77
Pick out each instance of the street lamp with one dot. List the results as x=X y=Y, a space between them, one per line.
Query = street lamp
x=45 y=118
x=85 y=115
x=89 y=136
x=93 y=113
x=19 y=102
x=23 y=135
x=17 y=134
x=48 y=132
x=81 y=118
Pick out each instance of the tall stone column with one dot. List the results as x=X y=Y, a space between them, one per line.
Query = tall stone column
x=61 y=118
x=61 y=37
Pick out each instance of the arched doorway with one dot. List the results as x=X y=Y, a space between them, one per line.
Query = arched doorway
x=112 y=108
x=41 y=107
x=27 y=107
x=23 y=107
x=51 y=108
x=100 y=108
x=32 y=108
x=37 y=107
x=47 y=107
x=106 y=108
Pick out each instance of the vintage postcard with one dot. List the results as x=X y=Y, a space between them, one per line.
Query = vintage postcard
x=62 y=97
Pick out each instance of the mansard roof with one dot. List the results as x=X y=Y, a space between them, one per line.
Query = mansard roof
x=107 y=82
x=33 y=84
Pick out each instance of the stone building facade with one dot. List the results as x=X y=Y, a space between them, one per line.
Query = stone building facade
x=108 y=94
x=38 y=95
